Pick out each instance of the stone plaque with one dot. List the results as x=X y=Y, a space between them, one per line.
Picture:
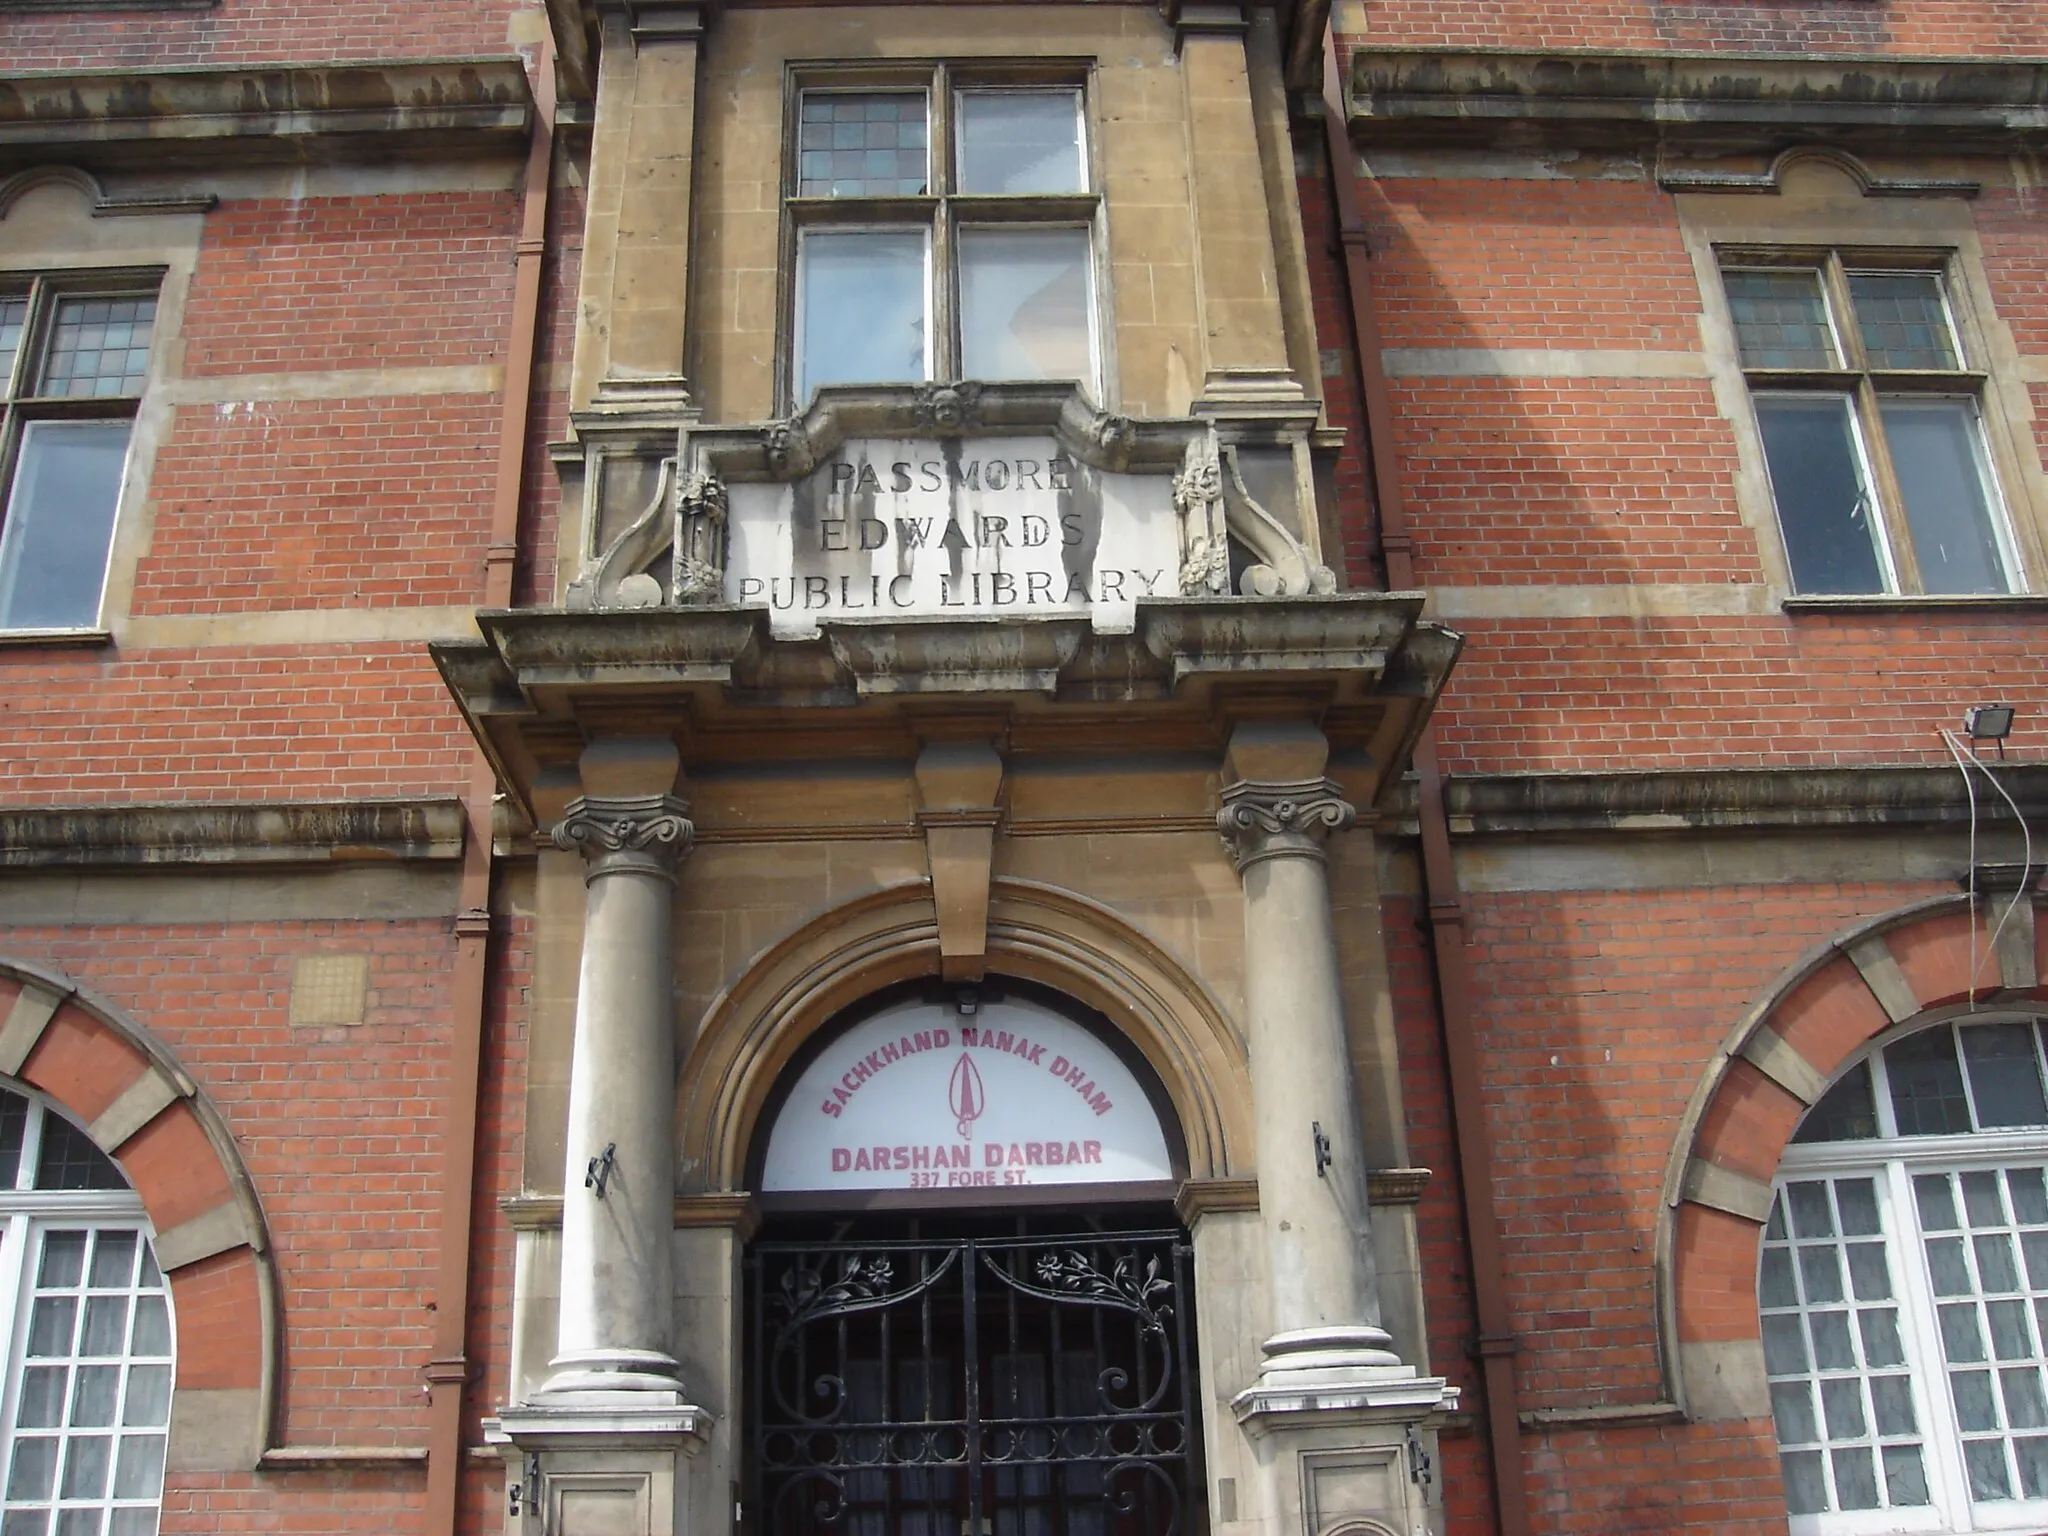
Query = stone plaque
x=991 y=526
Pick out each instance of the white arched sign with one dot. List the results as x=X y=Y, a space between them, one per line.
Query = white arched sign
x=918 y=1096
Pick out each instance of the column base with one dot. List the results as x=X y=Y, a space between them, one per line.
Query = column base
x=1340 y=1369
x=632 y=1375
x=586 y=1463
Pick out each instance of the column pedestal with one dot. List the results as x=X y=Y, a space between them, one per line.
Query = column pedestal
x=592 y=1469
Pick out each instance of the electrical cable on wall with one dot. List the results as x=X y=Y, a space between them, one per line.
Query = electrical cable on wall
x=1966 y=757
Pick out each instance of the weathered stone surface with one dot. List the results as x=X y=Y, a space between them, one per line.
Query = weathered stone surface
x=1425 y=95
x=275 y=112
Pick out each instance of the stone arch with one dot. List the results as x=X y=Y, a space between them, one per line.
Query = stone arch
x=1036 y=933
x=1920 y=962
x=145 y=1111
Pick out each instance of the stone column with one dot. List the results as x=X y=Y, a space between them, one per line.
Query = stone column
x=1278 y=810
x=618 y=1209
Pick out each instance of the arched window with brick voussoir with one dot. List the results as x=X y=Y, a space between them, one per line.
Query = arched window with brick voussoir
x=87 y=1404
x=1902 y=1285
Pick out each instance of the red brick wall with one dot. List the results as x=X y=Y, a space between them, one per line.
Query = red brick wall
x=1937 y=28
x=234 y=723
x=260 y=31
x=422 y=280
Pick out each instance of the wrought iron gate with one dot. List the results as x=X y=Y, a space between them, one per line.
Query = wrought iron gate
x=1036 y=1386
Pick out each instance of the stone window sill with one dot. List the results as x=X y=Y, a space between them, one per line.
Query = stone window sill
x=46 y=639
x=1907 y=604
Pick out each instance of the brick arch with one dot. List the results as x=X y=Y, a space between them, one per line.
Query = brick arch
x=1912 y=964
x=143 y=1109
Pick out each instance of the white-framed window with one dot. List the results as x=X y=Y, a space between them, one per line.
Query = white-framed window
x=943 y=227
x=85 y=1413
x=1869 y=408
x=1903 y=1289
x=74 y=359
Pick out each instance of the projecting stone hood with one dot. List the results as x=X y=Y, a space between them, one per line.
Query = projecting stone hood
x=1011 y=500
x=540 y=684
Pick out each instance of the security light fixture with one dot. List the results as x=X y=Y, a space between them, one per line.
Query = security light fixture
x=1988 y=722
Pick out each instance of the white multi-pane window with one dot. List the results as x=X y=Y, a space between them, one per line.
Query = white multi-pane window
x=942 y=230
x=1870 y=412
x=74 y=358
x=1903 y=1286
x=87 y=1404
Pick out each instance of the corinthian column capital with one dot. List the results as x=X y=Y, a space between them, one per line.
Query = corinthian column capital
x=622 y=834
x=1278 y=819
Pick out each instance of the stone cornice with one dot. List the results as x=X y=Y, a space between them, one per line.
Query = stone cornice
x=328 y=832
x=1719 y=102
x=540 y=682
x=1728 y=799
x=410 y=109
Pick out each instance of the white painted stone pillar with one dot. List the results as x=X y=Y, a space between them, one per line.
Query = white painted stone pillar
x=618 y=1208
x=1277 y=812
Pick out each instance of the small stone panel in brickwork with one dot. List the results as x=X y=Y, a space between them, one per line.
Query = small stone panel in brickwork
x=330 y=989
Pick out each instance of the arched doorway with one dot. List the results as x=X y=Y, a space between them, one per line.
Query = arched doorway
x=969 y=1310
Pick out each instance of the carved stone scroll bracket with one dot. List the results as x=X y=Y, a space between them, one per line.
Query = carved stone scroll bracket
x=621 y=576
x=1274 y=819
x=1284 y=566
x=627 y=834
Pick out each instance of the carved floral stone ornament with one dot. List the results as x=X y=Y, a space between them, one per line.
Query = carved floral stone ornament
x=627 y=834
x=700 y=538
x=1281 y=819
x=1204 y=528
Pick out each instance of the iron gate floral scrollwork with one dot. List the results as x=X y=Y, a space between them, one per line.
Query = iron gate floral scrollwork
x=977 y=1387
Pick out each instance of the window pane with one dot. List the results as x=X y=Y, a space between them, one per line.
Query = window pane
x=1823 y=499
x=2005 y=1077
x=1927 y=1085
x=98 y=347
x=42 y=1397
x=13 y=1126
x=1937 y=451
x=1781 y=320
x=1903 y=321
x=1020 y=141
x=69 y=1160
x=862 y=145
x=60 y=521
x=149 y=1397
x=1846 y=1112
x=13 y=316
x=140 y=1473
x=861 y=295
x=1905 y=1479
x=1024 y=304
x=113 y=1259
